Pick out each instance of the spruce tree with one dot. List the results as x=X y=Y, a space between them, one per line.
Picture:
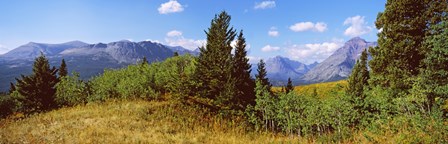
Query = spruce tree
x=38 y=89
x=289 y=87
x=214 y=65
x=359 y=77
x=398 y=57
x=244 y=84
x=144 y=61
x=63 y=69
x=434 y=76
x=12 y=88
x=262 y=75
x=176 y=54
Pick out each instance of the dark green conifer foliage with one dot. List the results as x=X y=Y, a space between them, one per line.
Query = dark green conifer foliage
x=12 y=88
x=63 y=69
x=176 y=54
x=244 y=84
x=404 y=25
x=214 y=66
x=38 y=89
x=435 y=73
x=359 y=77
x=289 y=87
x=144 y=61
x=262 y=75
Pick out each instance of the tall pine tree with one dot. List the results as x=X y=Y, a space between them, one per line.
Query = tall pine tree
x=359 y=77
x=262 y=75
x=434 y=76
x=214 y=66
x=289 y=86
x=244 y=84
x=63 y=69
x=38 y=89
x=404 y=25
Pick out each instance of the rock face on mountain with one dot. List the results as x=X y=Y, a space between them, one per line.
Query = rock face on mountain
x=87 y=59
x=339 y=65
x=279 y=69
x=32 y=50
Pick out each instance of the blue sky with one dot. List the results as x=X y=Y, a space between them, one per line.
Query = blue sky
x=304 y=30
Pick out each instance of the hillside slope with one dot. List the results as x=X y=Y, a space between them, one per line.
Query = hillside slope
x=135 y=121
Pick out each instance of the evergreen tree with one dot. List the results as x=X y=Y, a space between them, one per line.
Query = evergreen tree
x=404 y=25
x=214 y=65
x=63 y=69
x=12 y=88
x=176 y=54
x=262 y=75
x=244 y=84
x=434 y=76
x=289 y=87
x=144 y=61
x=38 y=89
x=359 y=77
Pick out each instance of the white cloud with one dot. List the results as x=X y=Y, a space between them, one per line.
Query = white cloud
x=154 y=41
x=175 y=38
x=3 y=49
x=269 y=48
x=273 y=32
x=174 y=33
x=306 y=26
x=309 y=53
x=265 y=5
x=171 y=6
x=357 y=26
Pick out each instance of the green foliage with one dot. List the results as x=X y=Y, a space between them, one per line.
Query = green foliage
x=71 y=91
x=405 y=25
x=265 y=104
x=214 y=67
x=358 y=80
x=63 y=69
x=244 y=84
x=175 y=75
x=289 y=87
x=434 y=77
x=6 y=105
x=262 y=75
x=135 y=81
x=38 y=89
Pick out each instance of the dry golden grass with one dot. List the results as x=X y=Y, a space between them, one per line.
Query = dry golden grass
x=322 y=89
x=136 y=121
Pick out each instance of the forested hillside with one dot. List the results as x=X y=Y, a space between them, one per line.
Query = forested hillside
x=400 y=96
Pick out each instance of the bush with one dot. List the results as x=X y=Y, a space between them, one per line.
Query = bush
x=71 y=91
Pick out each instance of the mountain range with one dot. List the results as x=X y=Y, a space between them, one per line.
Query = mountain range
x=87 y=59
x=91 y=60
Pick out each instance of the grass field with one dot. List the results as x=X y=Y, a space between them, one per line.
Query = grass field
x=136 y=121
x=320 y=89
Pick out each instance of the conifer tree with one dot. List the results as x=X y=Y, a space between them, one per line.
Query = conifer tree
x=144 y=61
x=434 y=76
x=214 y=65
x=63 y=69
x=289 y=87
x=262 y=75
x=12 y=88
x=38 y=89
x=176 y=54
x=359 y=77
x=244 y=84
x=404 y=25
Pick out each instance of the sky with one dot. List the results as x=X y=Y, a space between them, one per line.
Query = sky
x=303 y=30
